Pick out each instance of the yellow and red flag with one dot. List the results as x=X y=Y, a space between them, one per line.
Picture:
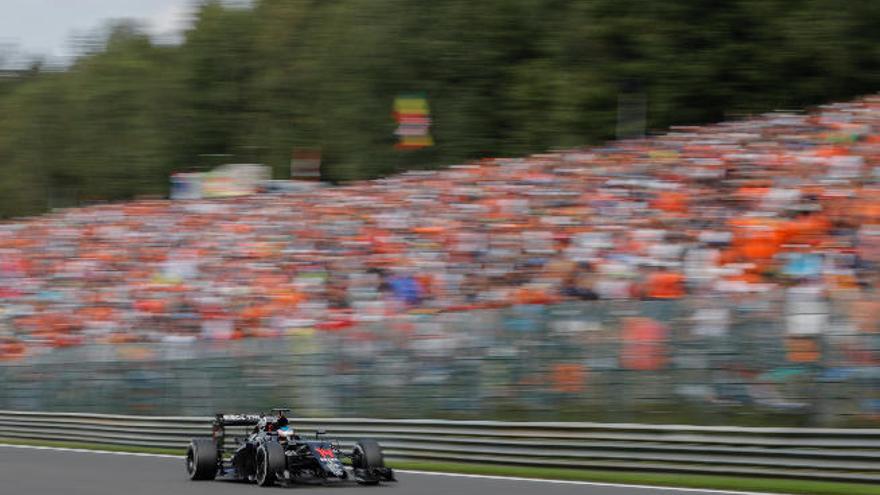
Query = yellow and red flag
x=413 y=122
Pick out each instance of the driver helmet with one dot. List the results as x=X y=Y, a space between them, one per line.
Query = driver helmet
x=286 y=433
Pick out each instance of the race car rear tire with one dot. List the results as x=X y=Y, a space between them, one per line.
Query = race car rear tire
x=270 y=463
x=201 y=459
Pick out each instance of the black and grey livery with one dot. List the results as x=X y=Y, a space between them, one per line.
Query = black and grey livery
x=274 y=453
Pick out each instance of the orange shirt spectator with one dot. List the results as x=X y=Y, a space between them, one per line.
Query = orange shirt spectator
x=665 y=284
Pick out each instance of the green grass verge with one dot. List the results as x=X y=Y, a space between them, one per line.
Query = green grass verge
x=713 y=482
x=770 y=485
x=92 y=446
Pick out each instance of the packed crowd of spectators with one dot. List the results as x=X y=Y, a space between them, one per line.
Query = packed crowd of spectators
x=782 y=202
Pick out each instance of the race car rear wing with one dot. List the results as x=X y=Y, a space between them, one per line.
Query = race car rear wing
x=223 y=420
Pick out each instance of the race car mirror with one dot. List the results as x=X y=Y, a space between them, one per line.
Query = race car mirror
x=319 y=433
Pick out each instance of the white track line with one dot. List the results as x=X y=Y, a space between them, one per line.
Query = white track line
x=425 y=473
x=591 y=483
x=89 y=451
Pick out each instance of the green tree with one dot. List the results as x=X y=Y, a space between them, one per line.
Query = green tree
x=502 y=77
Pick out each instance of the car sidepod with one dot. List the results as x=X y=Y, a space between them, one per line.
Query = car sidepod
x=325 y=456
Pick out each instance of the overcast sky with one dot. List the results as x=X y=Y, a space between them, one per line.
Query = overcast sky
x=45 y=27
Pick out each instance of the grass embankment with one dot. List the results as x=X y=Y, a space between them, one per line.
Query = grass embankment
x=713 y=482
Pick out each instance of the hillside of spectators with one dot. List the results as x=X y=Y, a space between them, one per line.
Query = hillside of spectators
x=783 y=202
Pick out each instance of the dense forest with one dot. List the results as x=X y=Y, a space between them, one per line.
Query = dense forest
x=502 y=77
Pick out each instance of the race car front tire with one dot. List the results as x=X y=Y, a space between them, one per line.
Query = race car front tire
x=367 y=461
x=367 y=454
x=201 y=459
x=270 y=462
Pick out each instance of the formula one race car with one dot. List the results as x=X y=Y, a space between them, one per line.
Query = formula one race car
x=274 y=452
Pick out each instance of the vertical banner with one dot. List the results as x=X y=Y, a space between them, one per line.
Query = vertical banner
x=413 y=121
x=186 y=186
x=305 y=164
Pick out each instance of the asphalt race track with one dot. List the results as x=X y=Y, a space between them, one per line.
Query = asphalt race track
x=29 y=471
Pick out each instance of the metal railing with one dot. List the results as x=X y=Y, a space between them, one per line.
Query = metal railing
x=808 y=453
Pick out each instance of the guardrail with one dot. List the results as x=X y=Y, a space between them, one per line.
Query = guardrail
x=808 y=453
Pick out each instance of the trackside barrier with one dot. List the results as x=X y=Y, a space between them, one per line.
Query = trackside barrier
x=808 y=453
x=702 y=360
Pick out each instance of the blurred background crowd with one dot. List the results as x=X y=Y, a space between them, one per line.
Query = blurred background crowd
x=472 y=248
x=786 y=202
x=723 y=269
